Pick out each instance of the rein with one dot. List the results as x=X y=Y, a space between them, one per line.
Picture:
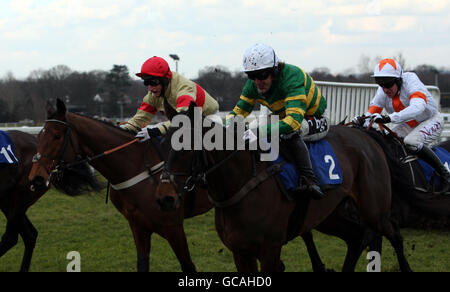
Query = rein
x=193 y=179
x=68 y=139
x=383 y=127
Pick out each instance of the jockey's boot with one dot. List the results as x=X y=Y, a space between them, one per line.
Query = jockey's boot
x=300 y=154
x=432 y=159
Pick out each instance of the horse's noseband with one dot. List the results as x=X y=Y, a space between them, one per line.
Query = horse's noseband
x=196 y=176
x=36 y=157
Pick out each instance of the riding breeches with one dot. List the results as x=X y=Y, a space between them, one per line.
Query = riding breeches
x=426 y=133
x=312 y=129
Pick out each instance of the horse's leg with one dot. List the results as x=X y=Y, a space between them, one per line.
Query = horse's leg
x=392 y=232
x=142 y=241
x=364 y=237
x=270 y=258
x=29 y=235
x=245 y=264
x=316 y=261
x=177 y=240
x=10 y=238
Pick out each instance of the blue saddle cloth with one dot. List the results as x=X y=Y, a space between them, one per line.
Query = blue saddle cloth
x=428 y=170
x=7 y=150
x=324 y=163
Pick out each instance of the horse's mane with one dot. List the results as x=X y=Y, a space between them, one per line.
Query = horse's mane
x=104 y=122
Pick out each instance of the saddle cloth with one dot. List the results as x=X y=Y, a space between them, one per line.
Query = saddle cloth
x=324 y=163
x=428 y=170
x=7 y=150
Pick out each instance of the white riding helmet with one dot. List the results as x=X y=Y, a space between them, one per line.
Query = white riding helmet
x=259 y=56
x=388 y=68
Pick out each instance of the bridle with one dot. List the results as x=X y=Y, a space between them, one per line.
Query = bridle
x=57 y=161
x=200 y=169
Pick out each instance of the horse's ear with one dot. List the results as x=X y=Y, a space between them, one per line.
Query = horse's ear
x=60 y=107
x=50 y=109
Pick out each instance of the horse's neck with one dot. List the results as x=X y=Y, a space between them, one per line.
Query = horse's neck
x=95 y=138
x=236 y=171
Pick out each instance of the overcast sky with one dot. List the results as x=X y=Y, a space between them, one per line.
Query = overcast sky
x=95 y=34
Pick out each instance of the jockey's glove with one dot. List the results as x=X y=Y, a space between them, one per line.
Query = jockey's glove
x=147 y=133
x=378 y=118
x=358 y=120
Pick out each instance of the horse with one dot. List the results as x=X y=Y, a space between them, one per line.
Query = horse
x=254 y=220
x=67 y=138
x=416 y=200
x=16 y=194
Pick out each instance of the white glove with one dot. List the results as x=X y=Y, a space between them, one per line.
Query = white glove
x=143 y=135
x=250 y=136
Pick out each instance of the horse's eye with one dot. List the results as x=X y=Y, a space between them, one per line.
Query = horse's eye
x=57 y=137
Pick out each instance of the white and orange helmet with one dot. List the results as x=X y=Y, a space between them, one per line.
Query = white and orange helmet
x=388 y=68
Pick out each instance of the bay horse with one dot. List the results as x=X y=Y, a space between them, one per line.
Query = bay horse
x=16 y=196
x=68 y=137
x=256 y=224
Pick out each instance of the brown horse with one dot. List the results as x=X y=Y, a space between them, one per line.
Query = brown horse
x=258 y=220
x=67 y=137
x=16 y=196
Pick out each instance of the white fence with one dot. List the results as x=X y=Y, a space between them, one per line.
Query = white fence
x=351 y=99
x=345 y=100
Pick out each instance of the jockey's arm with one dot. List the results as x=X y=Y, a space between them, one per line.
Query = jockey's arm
x=415 y=108
x=243 y=108
x=143 y=116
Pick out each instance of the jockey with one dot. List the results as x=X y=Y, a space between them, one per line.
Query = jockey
x=289 y=92
x=164 y=85
x=412 y=108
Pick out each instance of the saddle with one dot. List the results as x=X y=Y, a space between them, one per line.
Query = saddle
x=433 y=182
x=417 y=173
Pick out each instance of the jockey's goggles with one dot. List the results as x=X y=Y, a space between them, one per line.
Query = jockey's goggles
x=386 y=82
x=260 y=74
x=152 y=81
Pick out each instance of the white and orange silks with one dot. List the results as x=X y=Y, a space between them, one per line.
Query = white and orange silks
x=413 y=110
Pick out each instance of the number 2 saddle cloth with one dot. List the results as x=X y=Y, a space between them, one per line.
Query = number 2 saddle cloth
x=324 y=164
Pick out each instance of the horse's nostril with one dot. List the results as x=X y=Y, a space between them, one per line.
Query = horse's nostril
x=169 y=200
x=167 y=203
x=37 y=183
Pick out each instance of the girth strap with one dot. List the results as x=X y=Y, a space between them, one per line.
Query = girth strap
x=250 y=185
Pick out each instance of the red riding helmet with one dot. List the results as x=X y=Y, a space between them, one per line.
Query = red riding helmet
x=156 y=66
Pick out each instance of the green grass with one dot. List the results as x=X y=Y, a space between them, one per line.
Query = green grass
x=103 y=238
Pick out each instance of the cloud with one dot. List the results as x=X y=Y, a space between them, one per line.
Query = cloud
x=95 y=34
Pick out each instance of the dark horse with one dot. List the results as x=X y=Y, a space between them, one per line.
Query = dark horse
x=16 y=196
x=67 y=137
x=415 y=201
x=257 y=222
